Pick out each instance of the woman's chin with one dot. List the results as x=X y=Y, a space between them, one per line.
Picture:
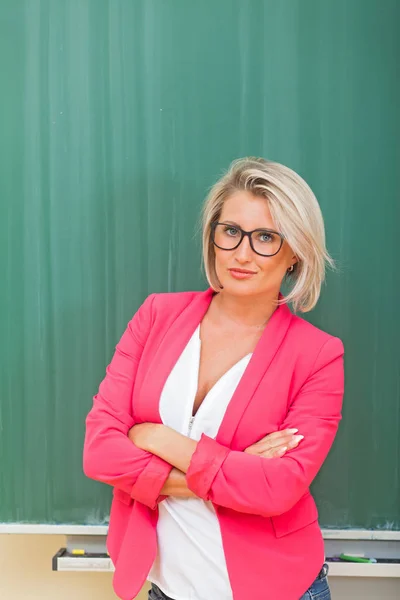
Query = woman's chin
x=239 y=288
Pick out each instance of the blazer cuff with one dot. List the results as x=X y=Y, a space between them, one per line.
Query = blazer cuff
x=205 y=463
x=150 y=481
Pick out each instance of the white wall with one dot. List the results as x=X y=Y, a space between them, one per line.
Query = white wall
x=25 y=574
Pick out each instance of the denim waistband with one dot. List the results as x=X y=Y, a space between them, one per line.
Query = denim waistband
x=159 y=595
x=323 y=572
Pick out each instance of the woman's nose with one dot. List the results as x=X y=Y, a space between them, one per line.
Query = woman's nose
x=244 y=251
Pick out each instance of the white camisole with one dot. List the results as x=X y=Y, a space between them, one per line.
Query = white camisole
x=190 y=563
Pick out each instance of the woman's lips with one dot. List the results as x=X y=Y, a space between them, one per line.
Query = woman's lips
x=240 y=274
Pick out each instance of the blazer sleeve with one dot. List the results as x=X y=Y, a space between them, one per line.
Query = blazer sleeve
x=268 y=487
x=108 y=455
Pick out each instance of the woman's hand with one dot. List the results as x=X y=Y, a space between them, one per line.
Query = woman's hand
x=275 y=444
x=176 y=485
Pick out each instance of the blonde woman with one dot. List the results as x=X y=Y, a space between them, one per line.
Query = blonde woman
x=220 y=406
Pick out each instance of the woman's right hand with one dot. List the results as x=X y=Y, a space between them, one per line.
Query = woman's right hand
x=275 y=445
x=176 y=485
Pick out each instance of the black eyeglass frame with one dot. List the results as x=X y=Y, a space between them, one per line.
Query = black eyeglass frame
x=245 y=233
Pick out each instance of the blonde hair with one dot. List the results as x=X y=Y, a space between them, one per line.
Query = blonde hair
x=296 y=214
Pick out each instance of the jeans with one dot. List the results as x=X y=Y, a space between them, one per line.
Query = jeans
x=319 y=590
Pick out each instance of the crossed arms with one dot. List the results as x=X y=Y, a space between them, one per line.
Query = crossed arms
x=160 y=461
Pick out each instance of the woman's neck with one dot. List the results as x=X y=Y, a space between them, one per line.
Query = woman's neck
x=246 y=311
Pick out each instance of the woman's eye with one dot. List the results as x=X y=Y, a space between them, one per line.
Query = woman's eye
x=265 y=237
x=231 y=231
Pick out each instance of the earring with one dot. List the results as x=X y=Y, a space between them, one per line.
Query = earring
x=290 y=269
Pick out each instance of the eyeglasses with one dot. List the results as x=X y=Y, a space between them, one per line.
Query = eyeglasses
x=264 y=242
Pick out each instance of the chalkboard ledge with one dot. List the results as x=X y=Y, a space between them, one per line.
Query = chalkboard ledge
x=363 y=570
x=46 y=529
x=67 y=529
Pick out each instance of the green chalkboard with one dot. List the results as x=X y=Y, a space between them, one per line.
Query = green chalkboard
x=116 y=118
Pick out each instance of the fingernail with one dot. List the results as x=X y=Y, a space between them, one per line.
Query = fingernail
x=298 y=438
x=282 y=450
x=293 y=430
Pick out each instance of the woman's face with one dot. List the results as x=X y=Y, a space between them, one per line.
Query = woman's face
x=243 y=209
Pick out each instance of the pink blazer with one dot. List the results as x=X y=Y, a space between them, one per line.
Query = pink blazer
x=268 y=518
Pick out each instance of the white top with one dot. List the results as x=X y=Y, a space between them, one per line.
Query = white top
x=190 y=563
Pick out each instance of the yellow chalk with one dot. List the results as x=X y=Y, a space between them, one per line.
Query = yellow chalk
x=78 y=551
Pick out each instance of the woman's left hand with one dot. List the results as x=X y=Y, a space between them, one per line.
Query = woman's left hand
x=275 y=445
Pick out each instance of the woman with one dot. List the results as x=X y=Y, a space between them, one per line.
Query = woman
x=194 y=423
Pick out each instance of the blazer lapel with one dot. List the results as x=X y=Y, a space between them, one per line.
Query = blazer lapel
x=168 y=351
x=265 y=350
